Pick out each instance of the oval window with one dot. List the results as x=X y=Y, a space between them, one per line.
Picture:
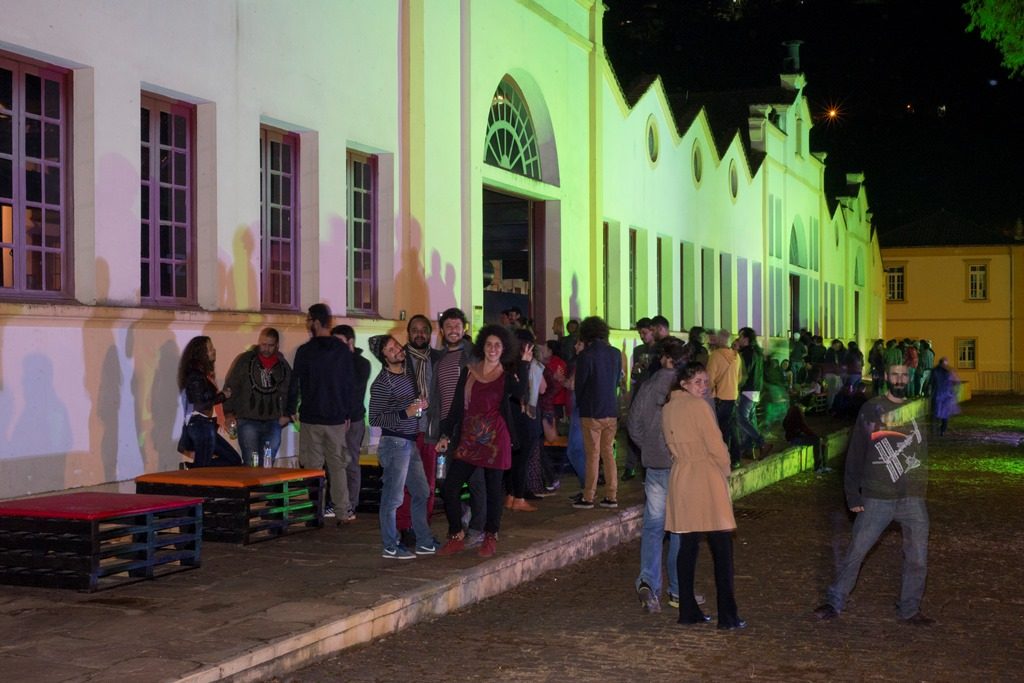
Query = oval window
x=652 y=139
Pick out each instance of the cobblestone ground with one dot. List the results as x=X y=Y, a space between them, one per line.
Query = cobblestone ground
x=584 y=623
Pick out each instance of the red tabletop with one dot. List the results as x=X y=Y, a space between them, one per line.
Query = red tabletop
x=89 y=506
x=228 y=477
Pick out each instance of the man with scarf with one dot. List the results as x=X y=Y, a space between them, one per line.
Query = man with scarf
x=419 y=367
x=258 y=381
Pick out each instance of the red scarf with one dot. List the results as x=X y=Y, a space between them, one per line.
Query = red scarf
x=267 y=363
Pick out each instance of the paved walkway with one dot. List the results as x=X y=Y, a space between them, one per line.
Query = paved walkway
x=255 y=611
x=583 y=623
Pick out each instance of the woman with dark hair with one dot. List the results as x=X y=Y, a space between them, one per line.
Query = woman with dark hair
x=944 y=391
x=478 y=429
x=699 y=503
x=196 y=382
x=526 y=454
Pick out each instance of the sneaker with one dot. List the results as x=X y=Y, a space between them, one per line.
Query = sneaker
x=542 y=494
x=398 y=553
x=488 y=546
x=329 y=511
x=427 y=548
x=673 y=601
x=555 y=485
x=348 y=517
x=606 y=503
x=826 y=612
x=919 y=619
x=582 y=504
x=648 y=599
x=474 y=538
x=452 y=546
x=699 y=598
x=576 y=497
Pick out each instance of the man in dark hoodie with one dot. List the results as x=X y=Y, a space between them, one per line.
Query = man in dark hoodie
x=259 y=380
x=322 y=377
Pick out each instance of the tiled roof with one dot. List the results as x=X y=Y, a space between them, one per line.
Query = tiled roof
x=944 y=228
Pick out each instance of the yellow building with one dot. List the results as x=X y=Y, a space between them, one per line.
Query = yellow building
x=961 y=287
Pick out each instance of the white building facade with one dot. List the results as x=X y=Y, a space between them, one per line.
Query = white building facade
x=175 y=169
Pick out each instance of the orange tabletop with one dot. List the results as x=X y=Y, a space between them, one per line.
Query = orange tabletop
x=229 y=477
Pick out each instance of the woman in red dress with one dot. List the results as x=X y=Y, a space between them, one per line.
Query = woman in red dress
x=478 y=428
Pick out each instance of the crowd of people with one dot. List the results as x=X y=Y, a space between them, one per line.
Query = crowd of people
x=475 y=413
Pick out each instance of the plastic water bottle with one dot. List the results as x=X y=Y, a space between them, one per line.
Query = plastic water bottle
x=268 y=455
x=254 y=459
x=442 y=466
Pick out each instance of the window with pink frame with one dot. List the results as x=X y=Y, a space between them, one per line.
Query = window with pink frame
x=278 y=218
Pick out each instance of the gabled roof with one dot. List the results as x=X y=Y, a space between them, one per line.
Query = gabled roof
x=941 y=229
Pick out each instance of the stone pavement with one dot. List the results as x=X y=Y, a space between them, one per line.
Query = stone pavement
x=583 y=622
x=255 y=611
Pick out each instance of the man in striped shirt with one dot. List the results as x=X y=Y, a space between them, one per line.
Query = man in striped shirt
x=396 y=406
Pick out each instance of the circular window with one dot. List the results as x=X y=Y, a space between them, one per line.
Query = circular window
x=698 y=163
x=652 y=139
x=734 y=180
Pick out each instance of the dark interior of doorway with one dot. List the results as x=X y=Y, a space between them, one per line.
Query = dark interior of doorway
x=507 y=251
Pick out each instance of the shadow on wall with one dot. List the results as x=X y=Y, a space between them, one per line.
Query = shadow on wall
x=411 y=288
x=441 y=290
x=102 y=380
x=155 y=353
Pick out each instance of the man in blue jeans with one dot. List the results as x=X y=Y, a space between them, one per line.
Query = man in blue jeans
x=886 y=480
x=395 y=407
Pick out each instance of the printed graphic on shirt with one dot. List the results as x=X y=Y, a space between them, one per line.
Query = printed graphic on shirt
x=896 y=450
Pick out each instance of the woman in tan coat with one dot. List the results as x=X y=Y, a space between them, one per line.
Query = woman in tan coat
x=698 y=495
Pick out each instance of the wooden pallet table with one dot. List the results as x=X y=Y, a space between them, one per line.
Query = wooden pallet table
x=91 y=541
x=246 y=504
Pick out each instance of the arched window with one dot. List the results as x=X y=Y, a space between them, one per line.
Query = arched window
x=511 y=142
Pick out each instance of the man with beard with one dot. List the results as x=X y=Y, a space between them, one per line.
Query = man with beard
x=258 y=383
x=419 y=365
x=886 y=480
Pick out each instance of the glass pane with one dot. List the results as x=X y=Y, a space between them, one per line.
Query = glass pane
x=275 y=190
x=34 y=270
x=275 y=222
x=51 y=229
x=357 y=237
x=33 y=183
x=180 y=168
x=34 y=227
x=145 y=202
x=166 y=280
x=286 y=291
x=286 y=158
x=286 y=190
x=53 y=184
x=165 y=129
x=165 y=203
x=180 y=242
x=33 y=94
x=53 y=271
x=275 y=156
x=180 y=281
x=51 y=93
x=144 y=242
x=180 y=206
x=6 y=89
x=165 y=242
x=144 y=124
x=144 y=162
x=51 y=133
x=180 y=141
x=7 y=268
x=33 y=139
x=6 y=134
x=6 y=179
x=165 y=166
x=144 y=280
x=286 y=224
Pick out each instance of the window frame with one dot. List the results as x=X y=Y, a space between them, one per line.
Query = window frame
x=268 y=137
x=888 y=270
x=370 y=160
x=969 y=293
x=963 y=344
x=151 y=220
x=15 y=244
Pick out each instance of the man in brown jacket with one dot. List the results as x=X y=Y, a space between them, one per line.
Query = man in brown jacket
x=724 y=377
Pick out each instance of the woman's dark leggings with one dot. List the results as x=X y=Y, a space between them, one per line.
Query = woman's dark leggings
x=720 y=543
x=459 y=473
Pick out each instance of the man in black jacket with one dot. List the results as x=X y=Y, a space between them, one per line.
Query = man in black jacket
x=322 y=376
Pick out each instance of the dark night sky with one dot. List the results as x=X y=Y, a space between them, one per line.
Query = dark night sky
x=888 y=64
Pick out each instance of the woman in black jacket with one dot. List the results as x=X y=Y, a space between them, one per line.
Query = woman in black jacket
x=196 y=382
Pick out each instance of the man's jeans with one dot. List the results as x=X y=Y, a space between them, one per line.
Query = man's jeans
x=574 y=451
x=653 y=535
x=252 y=434
x=403 y=469
x=912 y=516
x=746 y=424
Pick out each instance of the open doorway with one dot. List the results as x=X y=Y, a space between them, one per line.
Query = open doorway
x=513 y=262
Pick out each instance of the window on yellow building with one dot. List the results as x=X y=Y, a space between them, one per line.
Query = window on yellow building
x=966 y=353
x=895 y=284
x=977 y=281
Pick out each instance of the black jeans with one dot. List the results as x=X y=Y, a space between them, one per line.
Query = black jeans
x=720 y=543
x=459 y=473
x=211 y=450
